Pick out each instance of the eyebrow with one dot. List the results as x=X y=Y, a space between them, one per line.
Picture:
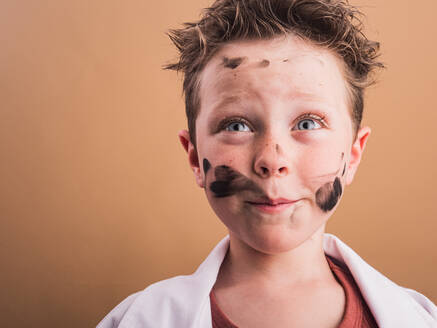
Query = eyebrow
x=301 y=95
x=302 y=98
x=219 y=109
x=226 y=101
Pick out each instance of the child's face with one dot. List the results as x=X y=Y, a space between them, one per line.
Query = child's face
x=275 y=139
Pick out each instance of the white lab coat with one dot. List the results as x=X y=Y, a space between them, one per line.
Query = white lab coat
x=183 y=301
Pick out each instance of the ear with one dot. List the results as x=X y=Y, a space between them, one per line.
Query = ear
x=356 y=153
x=193 y=159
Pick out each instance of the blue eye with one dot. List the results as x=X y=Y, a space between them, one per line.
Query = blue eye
x=307 y=124
x=237 y=127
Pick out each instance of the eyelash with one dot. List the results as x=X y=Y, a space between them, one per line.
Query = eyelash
x=226 y=122
x=312 y=116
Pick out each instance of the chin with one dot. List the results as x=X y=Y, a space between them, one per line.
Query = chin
x=275 y=239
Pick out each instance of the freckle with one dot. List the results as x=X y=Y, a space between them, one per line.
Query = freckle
x=264 y=63
x=342 y=155
x=285 y=60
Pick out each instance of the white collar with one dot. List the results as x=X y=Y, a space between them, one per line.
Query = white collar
x=390 y=304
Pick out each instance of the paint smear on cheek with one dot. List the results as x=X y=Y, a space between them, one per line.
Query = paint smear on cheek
x=229 y=182
x=206 y=165
x=224 y=185
x=327 y=196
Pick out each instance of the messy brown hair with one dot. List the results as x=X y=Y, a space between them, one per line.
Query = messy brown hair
x=333 y=24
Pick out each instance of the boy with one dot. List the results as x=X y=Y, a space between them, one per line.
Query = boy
x=274 y=100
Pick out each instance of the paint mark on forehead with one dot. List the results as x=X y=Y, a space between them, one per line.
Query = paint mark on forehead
x=264 y=63
x=233 y=63
x=308 y=58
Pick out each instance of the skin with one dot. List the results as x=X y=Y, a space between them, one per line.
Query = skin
x=275 y=255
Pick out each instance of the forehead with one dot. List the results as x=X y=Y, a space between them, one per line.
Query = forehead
x=285 y=66
x=276 y=49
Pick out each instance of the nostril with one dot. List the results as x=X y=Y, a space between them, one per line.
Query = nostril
x=282 y=170
x=265 y=170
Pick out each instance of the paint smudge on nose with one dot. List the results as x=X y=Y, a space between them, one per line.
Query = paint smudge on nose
x=206 y=165
x=229 y=182
x=233 y=63
x=327 y=196
x=264 y=63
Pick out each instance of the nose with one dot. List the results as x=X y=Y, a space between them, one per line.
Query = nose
x=270 y=161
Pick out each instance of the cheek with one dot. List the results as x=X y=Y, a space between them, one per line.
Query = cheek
x=229 y=155
x=320 y=163
x=228 y=210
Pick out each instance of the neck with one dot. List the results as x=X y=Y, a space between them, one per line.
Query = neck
x=304 y=264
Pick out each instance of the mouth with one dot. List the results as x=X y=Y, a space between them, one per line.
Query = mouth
x=272 y=205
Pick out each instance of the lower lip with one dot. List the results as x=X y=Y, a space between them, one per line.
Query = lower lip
x=272 y=208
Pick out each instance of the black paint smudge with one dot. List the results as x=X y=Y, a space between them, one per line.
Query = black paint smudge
x=264 y=63
x=327 y=196
x=229 y=182
x=206 y=165
x=344 y=169
x=233 y=62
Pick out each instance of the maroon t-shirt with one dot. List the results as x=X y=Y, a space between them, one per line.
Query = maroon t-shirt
x=356 y=315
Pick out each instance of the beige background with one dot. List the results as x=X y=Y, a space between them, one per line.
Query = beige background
x=96 y=198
